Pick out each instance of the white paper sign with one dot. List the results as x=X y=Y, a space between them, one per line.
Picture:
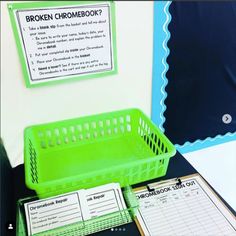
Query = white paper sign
x=64 y=42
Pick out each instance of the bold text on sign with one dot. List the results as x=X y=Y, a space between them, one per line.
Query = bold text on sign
x=65 y=42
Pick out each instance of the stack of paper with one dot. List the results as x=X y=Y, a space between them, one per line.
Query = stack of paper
x=81 y=206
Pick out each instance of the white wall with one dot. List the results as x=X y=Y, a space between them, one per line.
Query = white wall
x=22 y=107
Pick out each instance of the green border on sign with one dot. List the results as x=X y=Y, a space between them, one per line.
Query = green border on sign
x=34 y=5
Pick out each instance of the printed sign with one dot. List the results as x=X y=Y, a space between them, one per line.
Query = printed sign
x=64 y=42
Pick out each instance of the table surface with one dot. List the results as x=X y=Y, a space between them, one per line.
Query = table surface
x=178 y=167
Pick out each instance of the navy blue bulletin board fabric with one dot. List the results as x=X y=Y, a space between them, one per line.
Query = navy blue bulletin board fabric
x=202 y=70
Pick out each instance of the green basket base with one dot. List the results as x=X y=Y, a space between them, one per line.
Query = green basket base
x=102 y=155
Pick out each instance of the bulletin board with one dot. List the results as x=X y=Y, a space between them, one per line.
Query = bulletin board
x=194 y=73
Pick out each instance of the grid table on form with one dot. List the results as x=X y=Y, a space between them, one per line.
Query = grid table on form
x=187 y=209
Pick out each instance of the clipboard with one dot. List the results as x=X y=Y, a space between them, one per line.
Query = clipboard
x=215 y=203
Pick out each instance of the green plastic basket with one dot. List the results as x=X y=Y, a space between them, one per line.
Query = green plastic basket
x=122 y=146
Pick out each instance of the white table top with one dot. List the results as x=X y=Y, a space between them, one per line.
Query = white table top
x=217 y=165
